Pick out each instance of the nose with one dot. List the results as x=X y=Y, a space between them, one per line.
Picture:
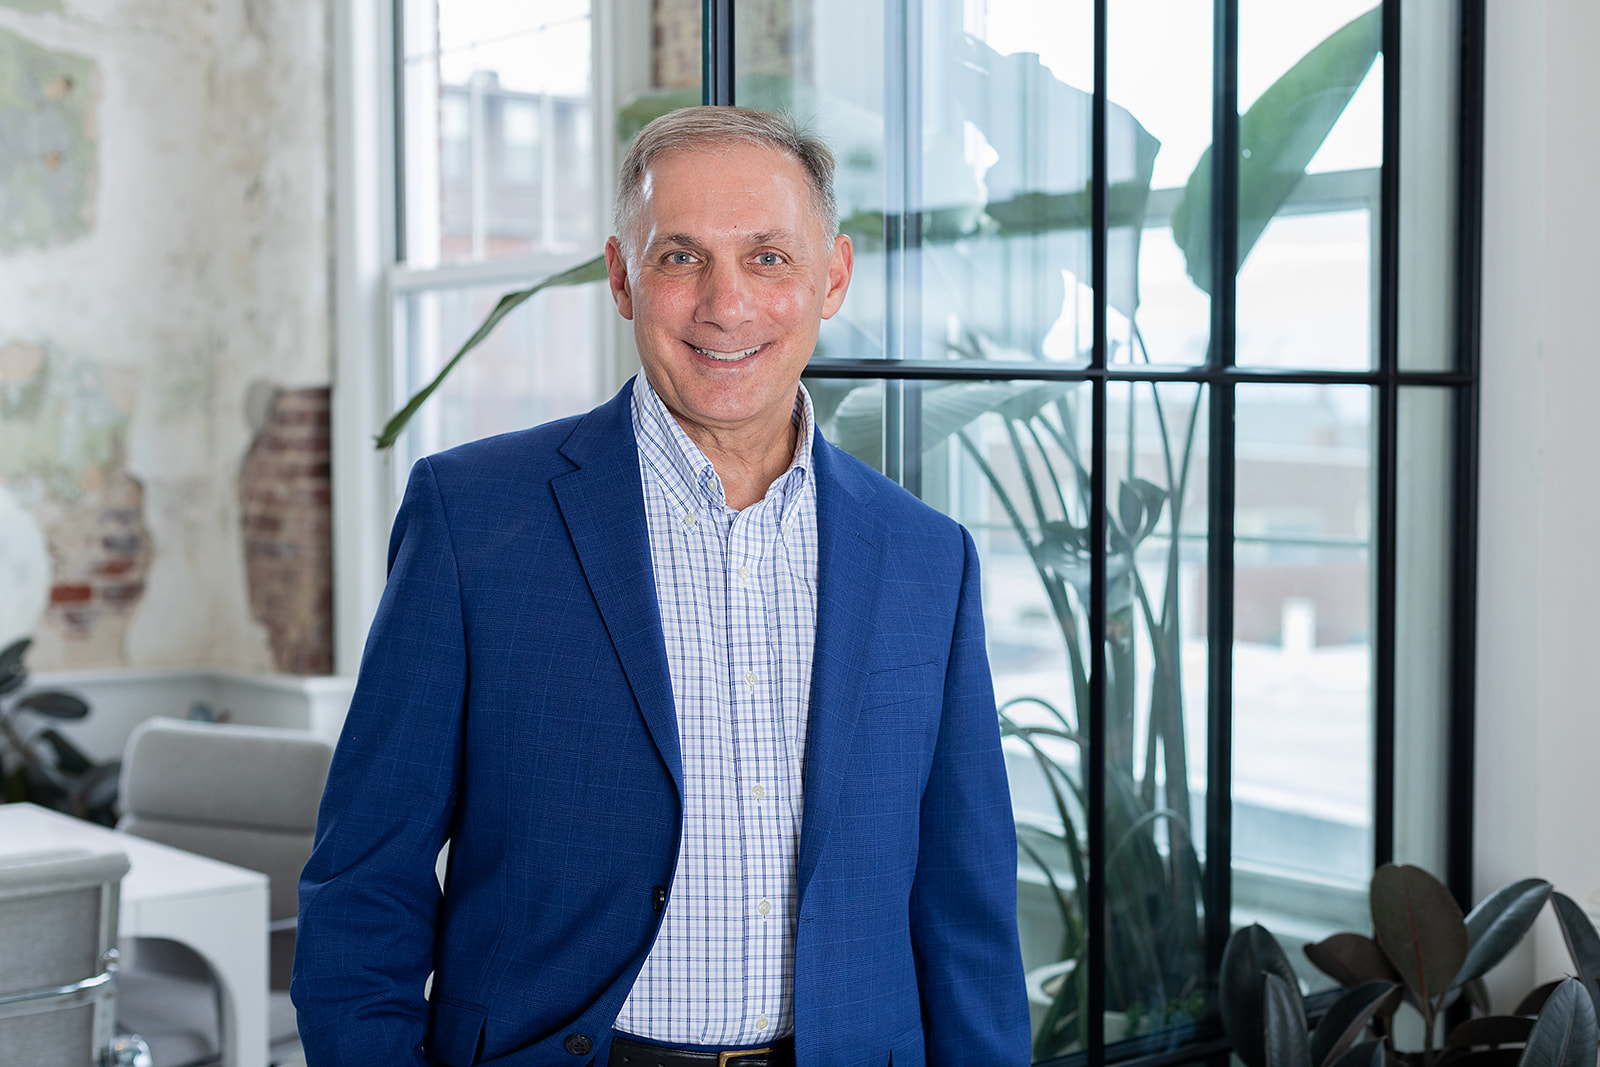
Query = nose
x=725 y=298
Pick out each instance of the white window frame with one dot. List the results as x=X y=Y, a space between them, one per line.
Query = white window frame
x=368 y=282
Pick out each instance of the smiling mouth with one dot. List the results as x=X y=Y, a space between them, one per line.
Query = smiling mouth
x=727 y=357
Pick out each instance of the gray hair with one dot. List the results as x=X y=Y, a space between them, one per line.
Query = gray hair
x=715 y=126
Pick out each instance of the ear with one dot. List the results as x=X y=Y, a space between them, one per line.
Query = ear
x=839 y=269
x=617 y=278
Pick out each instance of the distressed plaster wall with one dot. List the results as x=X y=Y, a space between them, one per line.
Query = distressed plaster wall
x=164 y=171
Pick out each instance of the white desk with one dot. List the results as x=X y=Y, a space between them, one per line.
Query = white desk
x=217 y=909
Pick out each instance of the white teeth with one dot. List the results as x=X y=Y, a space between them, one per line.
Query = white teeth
x=726 y=357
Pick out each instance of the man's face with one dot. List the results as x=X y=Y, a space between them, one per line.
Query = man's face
x=730 y=276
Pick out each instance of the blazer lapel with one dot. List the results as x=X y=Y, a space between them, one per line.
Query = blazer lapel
x=603 y=505
x=849 y=561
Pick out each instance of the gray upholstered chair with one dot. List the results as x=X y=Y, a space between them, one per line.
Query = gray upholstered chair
x=58 y=933
x=241 y=794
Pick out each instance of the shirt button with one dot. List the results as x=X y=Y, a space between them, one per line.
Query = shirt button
x=744 y=574
x=711 y=484
x=758 y=791
x=786 y=529
x=764 y=908
x=761 y=1022
x=690 y=519
x=750 y=679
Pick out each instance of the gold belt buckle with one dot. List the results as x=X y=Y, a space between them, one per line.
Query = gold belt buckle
x=725 y=1058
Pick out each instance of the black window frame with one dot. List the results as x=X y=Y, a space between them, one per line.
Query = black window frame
x=1221 y=377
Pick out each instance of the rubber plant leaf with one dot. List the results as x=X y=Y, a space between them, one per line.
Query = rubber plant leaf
x=1351 y=959
x=1490 y=1030
x=1366 y=1054
x=1348 y=1016
x=1583 y=944
x=1251 y=953
x=589 y=271
x=1565 y=1035
x=1278 y=136
x=1505 y=1056
x=12 y=672
x=1420 y=927
x=1284 y=1023
x=1500 y=920
x=1533 y=1003
x=54 y=705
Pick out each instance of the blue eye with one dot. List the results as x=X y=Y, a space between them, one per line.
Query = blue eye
x=769 y=259
x=680 y=257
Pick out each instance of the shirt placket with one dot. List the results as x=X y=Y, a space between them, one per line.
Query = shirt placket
x=757 y=744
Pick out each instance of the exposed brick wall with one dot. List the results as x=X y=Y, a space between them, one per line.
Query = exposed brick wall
x=677 y=43
x=101 y=551
x=284 y=504
x=770 y=37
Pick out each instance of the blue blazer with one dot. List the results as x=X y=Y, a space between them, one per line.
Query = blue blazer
x=514 y=699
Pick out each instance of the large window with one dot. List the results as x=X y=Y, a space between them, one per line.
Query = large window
x=1161 y=300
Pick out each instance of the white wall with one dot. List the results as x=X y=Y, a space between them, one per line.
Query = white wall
x=1539 y=580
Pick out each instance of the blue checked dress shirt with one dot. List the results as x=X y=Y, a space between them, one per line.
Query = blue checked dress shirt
x=738 y=598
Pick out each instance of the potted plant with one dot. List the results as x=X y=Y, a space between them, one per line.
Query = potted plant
x=1423 y=955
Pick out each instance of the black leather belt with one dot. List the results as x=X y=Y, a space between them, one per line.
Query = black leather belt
x=629 y=1053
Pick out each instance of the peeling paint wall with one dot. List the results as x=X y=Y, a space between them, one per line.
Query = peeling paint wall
x=164 y=245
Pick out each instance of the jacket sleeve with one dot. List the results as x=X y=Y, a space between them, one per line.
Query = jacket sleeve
x=369 y=899
x=964 y=898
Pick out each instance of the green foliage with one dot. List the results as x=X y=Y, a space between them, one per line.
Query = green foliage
x=1425 y=951
x=1278 y=137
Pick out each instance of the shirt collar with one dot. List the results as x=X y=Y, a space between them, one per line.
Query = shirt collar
x=654 y=425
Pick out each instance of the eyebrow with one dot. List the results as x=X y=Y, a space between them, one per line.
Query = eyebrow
x=760 y=237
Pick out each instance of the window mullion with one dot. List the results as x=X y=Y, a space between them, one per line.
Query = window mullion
x=1222 y=476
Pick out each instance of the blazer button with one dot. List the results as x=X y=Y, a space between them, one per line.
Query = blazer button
x=578 y=1044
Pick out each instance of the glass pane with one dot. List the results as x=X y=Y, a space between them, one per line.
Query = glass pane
x=1008 y=460
x=523 y=374
x=497 y=130
x=1429 y=115
x=1311 y=143
x=1159 y=68
x=1302 y=741
x=1425 y=529
x=1156 y=702
x=962 y=132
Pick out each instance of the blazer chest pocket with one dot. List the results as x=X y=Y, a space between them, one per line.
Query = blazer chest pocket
x=903 y=684
x=457 y=1036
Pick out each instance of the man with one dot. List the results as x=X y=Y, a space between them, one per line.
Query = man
x=700 y=703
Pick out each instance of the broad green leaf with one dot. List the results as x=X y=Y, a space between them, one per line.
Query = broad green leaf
x=1477 y=994
x=1250 y=954
x=1583 y=944
x=1284 y=1023
x=1500 y=920
x=1565 y=1035
x=590 y=271
x=1420 y=927
x=1351 y=959
x=1278 y=136
x=1533 y=1003
x=946 y=409
x=54 y=705
x=1366 y=1054
x=1347 y=1017
x=1503 y=1056
x=12 y=672
x=1490 y=1030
